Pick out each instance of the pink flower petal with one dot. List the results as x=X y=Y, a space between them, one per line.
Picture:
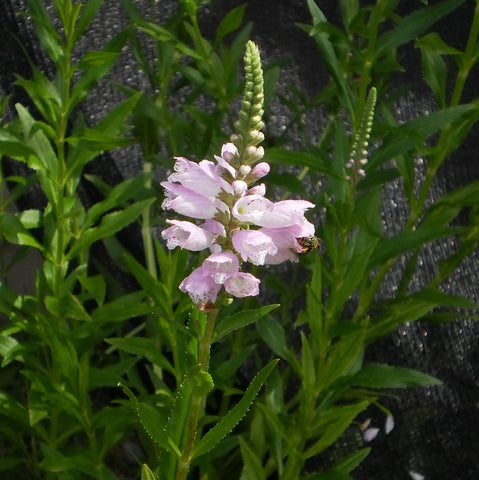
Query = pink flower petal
x=254 y=245
x=200 y=287
x=252 y=209
x=242 y=285
x=220 y=266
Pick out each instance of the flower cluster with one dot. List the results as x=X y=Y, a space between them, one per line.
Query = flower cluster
x=239 y=223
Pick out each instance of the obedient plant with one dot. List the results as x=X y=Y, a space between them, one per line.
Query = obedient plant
x=241 y=224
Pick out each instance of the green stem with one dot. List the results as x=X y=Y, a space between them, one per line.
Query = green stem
x=146 y=232
x=197 y=400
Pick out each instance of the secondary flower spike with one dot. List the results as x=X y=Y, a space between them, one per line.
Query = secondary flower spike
x=232 y=217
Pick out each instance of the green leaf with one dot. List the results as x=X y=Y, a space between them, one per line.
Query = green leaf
x=240 y=320
x=252 y=465
x=317 y=160
x=88 y=14
x=110 y=224
x=146 y=473
x=235 y=415
x=274 y=336
x=94 y=70
x=154 y=422
x=389 y=248
x=414 y=133
x=230 y=23
x=414 y=25
x=116 y=197
x=37 y=140
x=11 y=408
x=128 y=306
x=10 y=349
x=376 y=375
x=333 y=474
x=344 y=358
x=308 y=367
x=329 y=57
x=353 y=460
x=157 y=290
x=143 y=347
x=49 y=37
x=13 y=230
x=332 y=425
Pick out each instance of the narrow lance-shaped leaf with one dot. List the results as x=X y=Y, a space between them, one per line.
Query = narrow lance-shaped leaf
x=377 y=375
x=239 y=320
x=235 y=415
x=110 y=224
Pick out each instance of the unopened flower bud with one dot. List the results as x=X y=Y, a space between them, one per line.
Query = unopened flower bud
x=244 y=170
x=261 y=169
x=239 y=187
x=258 y=190
x=256 y=135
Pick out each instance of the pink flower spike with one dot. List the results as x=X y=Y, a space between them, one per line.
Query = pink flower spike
x=242 y=285
x=220 y=266
x=252 y=209
x=254 y=245
x=187 y=235
x=200 y=287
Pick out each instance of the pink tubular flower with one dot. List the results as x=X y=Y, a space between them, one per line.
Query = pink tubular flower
x=189 y=203
x=200 y=287
x=200 y=177
x=252 y=209
x=285 y=214
x=187 y=235
x=220 y=266
x=242 y=285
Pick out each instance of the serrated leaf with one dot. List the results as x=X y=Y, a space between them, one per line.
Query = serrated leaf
x=154 y=422
x=235 y=415
x=238 y=320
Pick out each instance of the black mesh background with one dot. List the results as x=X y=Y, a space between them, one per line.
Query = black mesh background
x=437 y=429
